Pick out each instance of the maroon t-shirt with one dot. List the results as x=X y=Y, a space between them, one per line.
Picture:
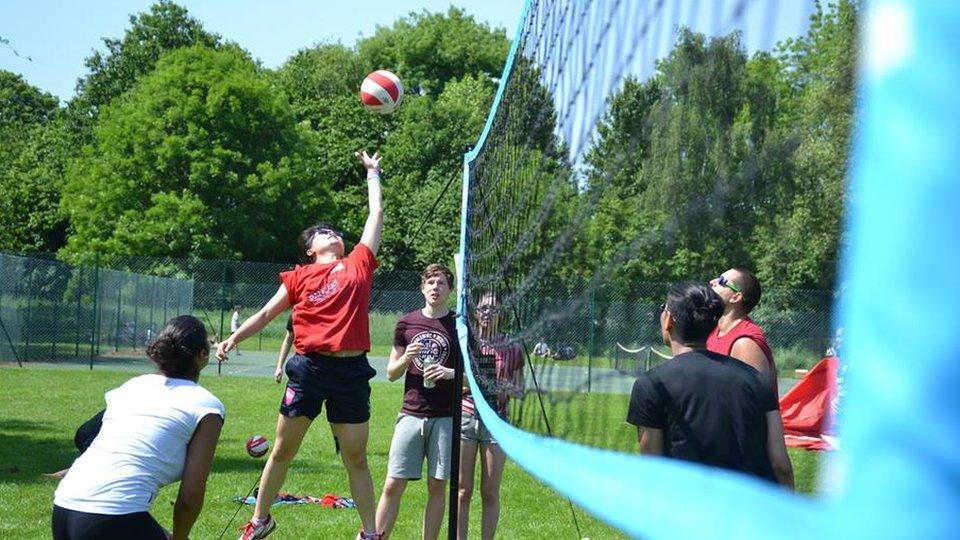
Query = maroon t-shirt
x=440 y=345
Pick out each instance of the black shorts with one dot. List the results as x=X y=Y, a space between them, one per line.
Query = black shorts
x=344 y=383
x=74 y=525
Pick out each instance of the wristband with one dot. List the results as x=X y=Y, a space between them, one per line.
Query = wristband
x=373 y=173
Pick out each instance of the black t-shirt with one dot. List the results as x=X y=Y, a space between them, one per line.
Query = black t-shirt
x=440 y=346
x=711 y=408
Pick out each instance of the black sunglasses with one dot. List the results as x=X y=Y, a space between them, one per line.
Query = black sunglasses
x=325 y=231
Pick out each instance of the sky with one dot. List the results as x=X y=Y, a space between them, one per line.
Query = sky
x=58 y=36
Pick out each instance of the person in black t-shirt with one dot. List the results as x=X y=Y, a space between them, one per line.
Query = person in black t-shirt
x=706 y=407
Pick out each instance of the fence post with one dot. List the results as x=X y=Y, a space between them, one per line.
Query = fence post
x=590 y=340
x=54 y=336
x=76 y=321
x=116 y=331
x=26 y=344
x=136 y=309
x=95 y=337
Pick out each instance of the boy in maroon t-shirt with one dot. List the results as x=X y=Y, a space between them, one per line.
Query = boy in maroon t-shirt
x=425 y=349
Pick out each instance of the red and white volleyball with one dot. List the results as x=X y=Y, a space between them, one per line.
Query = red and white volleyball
x=257 y=446
x=381 y=91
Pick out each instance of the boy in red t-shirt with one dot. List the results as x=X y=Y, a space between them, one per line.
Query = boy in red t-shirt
x=330 y=299
x=736 y=334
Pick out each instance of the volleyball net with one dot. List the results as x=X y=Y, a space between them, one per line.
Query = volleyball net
x=625 y=139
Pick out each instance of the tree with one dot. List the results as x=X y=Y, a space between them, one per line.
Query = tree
x=423 y=142
x=426 y=152
x=32 y=156
x=166 y=27
x=427 y=50
x=799 y=247
x=201 y=159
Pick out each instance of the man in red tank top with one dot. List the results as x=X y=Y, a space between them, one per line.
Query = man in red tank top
x=736 y=335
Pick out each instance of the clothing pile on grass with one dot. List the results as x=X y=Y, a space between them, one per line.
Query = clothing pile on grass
x=328 y=500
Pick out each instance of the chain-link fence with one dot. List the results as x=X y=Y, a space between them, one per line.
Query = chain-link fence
x=590 y=328
x=53 y=311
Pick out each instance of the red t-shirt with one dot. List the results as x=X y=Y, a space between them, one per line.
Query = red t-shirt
x=331 y=303
x=746 y=328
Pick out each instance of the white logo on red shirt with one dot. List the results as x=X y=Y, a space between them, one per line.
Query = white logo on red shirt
x=324 y=292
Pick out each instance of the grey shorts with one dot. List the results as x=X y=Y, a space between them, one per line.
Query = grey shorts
x=472 y=429
x=417 y=438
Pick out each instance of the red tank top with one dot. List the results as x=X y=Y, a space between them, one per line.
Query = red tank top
x=746 y=328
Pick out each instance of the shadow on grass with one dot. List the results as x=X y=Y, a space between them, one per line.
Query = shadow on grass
x=31 y=448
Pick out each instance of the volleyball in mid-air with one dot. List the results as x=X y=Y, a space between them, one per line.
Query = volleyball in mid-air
x=381 y=92
x=257 y=446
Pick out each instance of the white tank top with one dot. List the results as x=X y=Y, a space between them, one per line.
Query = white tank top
x=141 y=447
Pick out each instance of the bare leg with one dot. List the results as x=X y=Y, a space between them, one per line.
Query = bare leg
x=389 y=505
x=290 y=432
x=433 y=513
x=353 y=445
x=491 y=474
x=468 y=463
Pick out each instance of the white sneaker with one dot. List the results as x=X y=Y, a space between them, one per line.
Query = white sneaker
x=253 y=530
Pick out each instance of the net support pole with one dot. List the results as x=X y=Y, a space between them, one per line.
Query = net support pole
x=454 y=493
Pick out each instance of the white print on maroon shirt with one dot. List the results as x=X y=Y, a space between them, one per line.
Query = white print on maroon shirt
x=325 y=292
x=434 y=348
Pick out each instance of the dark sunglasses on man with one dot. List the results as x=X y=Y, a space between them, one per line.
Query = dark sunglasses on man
x=724 y=282
x=325 y=231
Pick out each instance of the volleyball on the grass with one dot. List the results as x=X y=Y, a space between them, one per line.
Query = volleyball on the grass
x=257 y=446
x=381 y=92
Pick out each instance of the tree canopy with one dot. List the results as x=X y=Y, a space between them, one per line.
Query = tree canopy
x=179 y=144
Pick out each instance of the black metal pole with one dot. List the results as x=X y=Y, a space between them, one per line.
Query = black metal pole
x=454 y=504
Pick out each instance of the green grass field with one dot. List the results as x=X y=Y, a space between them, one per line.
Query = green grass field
x=41 y=408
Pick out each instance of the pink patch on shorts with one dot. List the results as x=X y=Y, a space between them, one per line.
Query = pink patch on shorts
x=288 y=396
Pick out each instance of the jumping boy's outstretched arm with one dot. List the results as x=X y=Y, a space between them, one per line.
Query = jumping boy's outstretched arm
x=374 y=226
x=277 y=305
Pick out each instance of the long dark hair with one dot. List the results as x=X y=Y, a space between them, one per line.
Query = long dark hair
x=176 y=348
x=695 y=309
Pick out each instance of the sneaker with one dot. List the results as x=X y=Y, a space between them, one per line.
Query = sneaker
x=253 y=530
x=372 y=536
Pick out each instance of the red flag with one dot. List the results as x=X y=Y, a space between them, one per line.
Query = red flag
x=808 y=408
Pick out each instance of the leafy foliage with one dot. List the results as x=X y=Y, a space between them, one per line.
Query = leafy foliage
x=178 y=144
x=201 y=159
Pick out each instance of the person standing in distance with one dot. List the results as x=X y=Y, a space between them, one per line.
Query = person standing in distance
x=426 y=352
x=705 y=407
x=235 y=324
x=736 y=334
x=330 y=297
